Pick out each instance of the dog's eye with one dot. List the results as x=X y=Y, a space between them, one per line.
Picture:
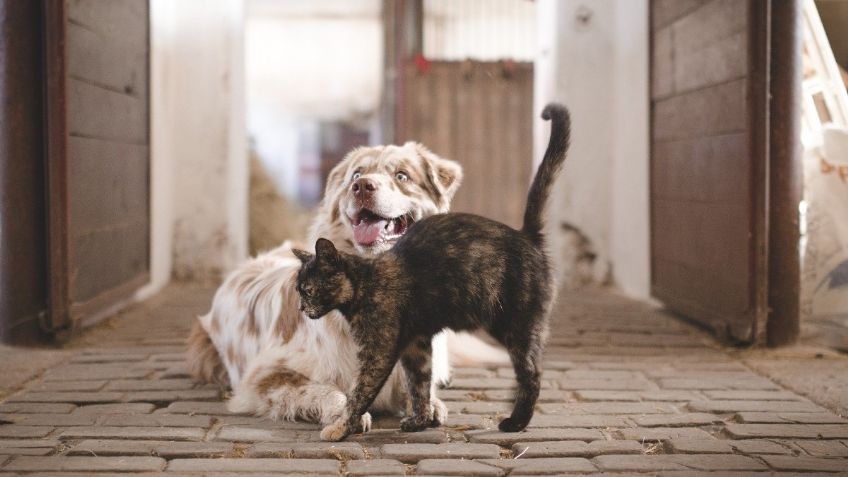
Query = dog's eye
x=402 y=176
x=356 y=175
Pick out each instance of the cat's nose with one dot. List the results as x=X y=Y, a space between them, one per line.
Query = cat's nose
x=363 y=187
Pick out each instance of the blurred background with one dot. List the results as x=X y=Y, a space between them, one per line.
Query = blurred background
x=151 y=141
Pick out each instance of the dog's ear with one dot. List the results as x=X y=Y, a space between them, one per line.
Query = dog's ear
x=326 y=251
x=302 y=255
x=444 y=174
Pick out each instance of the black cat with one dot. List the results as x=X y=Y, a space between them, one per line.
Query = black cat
x=457 y=271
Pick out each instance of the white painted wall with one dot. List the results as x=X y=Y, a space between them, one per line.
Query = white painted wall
x=593 y=57
x=199 y=167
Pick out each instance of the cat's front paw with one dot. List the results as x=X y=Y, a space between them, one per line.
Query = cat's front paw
x=335 y=431
x=438 y=411
x=414 y=423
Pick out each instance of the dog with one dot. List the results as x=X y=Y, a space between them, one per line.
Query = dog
x=281 y=365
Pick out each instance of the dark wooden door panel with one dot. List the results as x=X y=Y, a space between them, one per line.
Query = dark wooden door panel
x=23 y=227
x=707 y=182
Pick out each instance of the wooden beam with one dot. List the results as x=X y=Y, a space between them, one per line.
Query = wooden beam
x=56 y=162
x=785 y=173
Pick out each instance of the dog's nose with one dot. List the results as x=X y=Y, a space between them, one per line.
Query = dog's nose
x=363 y=187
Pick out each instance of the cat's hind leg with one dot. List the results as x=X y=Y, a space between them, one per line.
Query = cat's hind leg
x=525 y=352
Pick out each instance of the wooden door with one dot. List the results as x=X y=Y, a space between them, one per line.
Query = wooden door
x=709 y=154
x=481 y=115
x=107 y=158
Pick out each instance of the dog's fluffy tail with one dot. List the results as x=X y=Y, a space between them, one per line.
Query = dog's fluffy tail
x=202 y=359
x=466 y=349
x=537 y=198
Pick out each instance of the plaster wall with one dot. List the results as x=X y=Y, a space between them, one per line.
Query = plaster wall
x=199 y=172
x=593 y=57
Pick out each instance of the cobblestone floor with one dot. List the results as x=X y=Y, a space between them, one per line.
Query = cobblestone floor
x=627 y=390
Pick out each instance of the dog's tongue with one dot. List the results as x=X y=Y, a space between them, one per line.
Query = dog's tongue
x=368 y=231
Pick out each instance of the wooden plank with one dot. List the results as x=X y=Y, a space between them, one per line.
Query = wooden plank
x=721 y=300
x=720 y=109
x=709 y=24
x=707 y=236
x=113 y=19
x=117 y=64
x=99 y=113
x=121 y=174
x=682 y=168
x=89 y=312
x=719 y=62
x=664 y=12
x=108 y=257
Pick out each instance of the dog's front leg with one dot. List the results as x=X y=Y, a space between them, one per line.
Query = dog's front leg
x=376 y=361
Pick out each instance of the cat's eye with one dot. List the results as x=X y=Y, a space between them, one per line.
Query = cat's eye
x=356 y=175
x=402 y=176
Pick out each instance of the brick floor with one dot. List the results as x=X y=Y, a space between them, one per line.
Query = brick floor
x=628 y=391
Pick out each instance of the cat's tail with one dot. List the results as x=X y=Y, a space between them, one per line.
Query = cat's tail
x=537 y=198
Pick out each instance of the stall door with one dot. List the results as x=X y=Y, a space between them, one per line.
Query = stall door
x=708 y=162
x=106 y=202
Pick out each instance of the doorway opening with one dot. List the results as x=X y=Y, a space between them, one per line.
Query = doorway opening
x=824 y=228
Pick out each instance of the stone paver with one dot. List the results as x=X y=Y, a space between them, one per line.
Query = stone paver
x=531 y=435
x=544 y=466
x=457 y=467
x=312 y=450
x=824 y=431
x=304 y=466
x=357 y=468
x=86 y=464
x=168 y=449
x=781 y=462
x=627 y=391
x=711 y=462
x=529 y=450
x=159 y=433
x=663 y=433
x=411 y=453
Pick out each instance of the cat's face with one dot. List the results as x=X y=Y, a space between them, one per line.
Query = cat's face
x=321 y=282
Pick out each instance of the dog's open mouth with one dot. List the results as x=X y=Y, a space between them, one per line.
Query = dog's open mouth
x=370 y=228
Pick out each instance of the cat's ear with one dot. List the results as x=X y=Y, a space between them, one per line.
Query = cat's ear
x=302 y=255
x=326 y=251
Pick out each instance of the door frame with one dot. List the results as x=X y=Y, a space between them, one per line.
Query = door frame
x=56 y=156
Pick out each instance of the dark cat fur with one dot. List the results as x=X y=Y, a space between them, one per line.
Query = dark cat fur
x=457 y=271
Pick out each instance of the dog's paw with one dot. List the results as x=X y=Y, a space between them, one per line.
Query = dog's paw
x=335 y=431
x=438 y=411
x=414 y=423
x=511 y=425
x=333 y=407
